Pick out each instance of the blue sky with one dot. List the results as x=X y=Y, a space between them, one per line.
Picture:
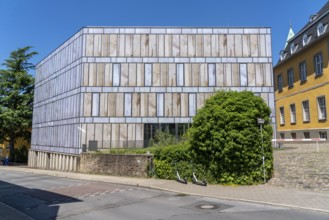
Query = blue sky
x=45 y=24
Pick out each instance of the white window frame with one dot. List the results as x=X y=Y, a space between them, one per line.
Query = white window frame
x=306 y=111
x=148 y=69
x=280 y=82
x=303 y=71
x=180 y=74
x=283 y=55
x=160 y=104
x=95 y=105
x=318 y=64
x=211 y=74
x=192 y=104
x=116 y=74
x=281 y=110
x=127 y=102
x=290 y=74
x=293 y=114
x=306 y=39
x=321 y=28
x=322 y=110
x=293 y=48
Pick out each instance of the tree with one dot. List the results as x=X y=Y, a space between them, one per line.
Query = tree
x=16 y=97
x=226 y=139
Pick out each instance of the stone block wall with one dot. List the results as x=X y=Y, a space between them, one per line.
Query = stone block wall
x=302 y=166
x=119 y=165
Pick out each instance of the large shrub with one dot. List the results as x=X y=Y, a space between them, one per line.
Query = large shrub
x=226 y=138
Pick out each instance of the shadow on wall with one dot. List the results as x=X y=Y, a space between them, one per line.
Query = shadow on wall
x=38 y=204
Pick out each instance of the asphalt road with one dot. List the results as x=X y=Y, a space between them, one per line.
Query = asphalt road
x=34 y=196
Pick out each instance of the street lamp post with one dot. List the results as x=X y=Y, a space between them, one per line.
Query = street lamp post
x=260 y=121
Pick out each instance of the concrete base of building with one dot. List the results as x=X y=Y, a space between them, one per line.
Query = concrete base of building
x=53 y=161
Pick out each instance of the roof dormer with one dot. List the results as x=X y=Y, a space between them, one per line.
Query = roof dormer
x=283 y=55
x=306 y=39
x=320 y=29
x=293 y=48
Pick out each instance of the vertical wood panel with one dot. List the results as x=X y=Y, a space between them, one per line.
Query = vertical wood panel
x=251 y=74
x=214 y=46
x=200 y=100
x=107 y=135
x=132 y=74
x=112 y=97
x=87 y=105
x=129 y=45
x=97 y=45
x=196 y=74
x=183 y=45
x=121 y=45
x=188 y=74
x=103 y=105
x=140 y=74
x=191 y=45
x=113 y=45
x=137 y=45
x=235 y=75
x=119 y=104
x=90 y=45
x=108 y=74
x=230 y=46
x=246 y=45
x=254 y=45
x=139 y=135
x=203 y=75
x=184 y=105
x=262 y=45
x=99 y=135
x=259 y=75
x=223 y=45
x=136 y=106
x=85 y=75
x=168 y=45
x=90 y=132
x=105 y=45
x=100 y=74
x=168 y=105
x=238 y=45
x=144 y=104
x=152 y=105
x=124 y=74
x=145 y=45
x=115 y=135
x=92 y=74
x=164 y=74
x=172 y=74
x=131 y=135
x=199 y=45
x=207 y=45
x=156 y=75
x=228 y=75
x=123 y=135
x=153 y=45
x=176 y=104
x=175 y=44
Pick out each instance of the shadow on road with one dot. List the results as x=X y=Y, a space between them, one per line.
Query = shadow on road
x=36 y=203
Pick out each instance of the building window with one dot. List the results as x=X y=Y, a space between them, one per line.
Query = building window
x=281 y=135
x=306 y=39
x=323 y=135
x=291 y=77
x=160 y=105
x=281 y=115
x=280 y=82
x=95 y=105
x=192 y=104
x=322 y=112
x=128 y=105
x=116 y=74
x=302 y=71
x=293 y=48
x=318 y=65
x=282 y=54
x=321 y=29
x=212 y=74
x=148 y=74
x=180 y=74
x=293 y=113
x=306 y=111
x=293 y=135
x=307 y=135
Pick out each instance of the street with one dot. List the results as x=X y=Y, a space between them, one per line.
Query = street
x=33 y=196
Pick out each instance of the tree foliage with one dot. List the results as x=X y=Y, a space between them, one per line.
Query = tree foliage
x=226 y=138
x=16 y=97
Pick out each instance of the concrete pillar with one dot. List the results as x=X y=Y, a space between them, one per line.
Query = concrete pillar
x=75 y=164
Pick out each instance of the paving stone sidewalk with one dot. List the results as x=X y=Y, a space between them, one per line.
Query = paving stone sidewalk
x=266 y=194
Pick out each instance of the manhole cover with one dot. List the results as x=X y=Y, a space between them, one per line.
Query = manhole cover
x=207 y=206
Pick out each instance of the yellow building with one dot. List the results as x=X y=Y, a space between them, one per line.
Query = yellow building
x=302 y=81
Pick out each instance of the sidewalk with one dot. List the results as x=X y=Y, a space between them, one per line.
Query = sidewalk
x=265 y=194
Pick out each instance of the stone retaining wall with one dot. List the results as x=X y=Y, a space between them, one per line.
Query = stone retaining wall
x=303 y=166
x=119 y=165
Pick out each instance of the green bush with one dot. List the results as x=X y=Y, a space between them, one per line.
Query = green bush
x=226 y=139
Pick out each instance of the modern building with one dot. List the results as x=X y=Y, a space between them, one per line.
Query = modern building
x=302 y=81
x=110 y=87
